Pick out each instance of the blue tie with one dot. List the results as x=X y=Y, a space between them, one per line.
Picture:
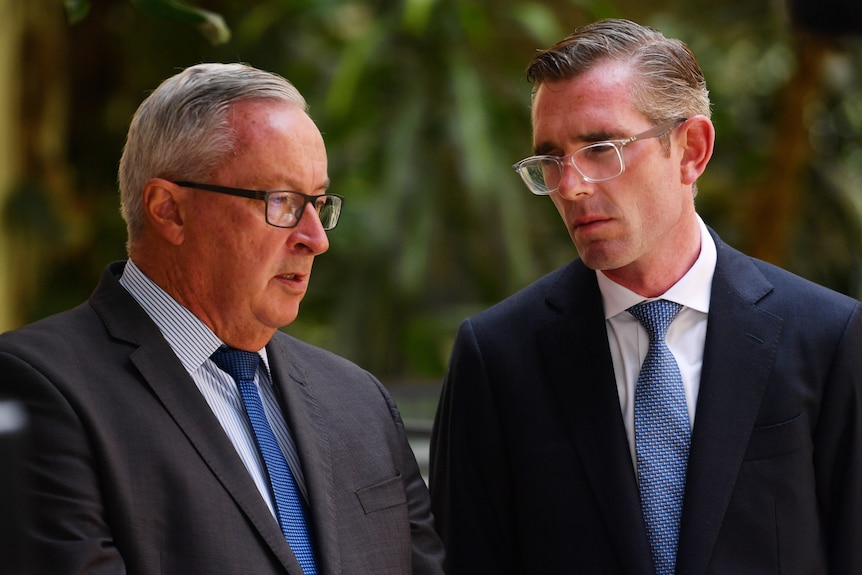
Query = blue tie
x=662 y=435
x=242 y=365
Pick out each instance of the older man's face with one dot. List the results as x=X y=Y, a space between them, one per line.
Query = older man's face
x=248 y=277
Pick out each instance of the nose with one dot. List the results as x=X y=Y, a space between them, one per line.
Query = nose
x=308 y=233
x=572 y=184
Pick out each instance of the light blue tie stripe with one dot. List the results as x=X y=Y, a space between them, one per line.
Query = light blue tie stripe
x=662 y=435
x=242 y=365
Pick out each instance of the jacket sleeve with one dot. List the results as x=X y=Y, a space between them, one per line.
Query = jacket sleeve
x=68 y=532
x=838 y=453
x=470 y=496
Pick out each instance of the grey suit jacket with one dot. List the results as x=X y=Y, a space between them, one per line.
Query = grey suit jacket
x=130 y=471
x=531 y=471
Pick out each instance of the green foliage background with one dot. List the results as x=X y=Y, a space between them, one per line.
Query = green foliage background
x=424 y=107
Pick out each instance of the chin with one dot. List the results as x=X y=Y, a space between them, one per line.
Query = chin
x=279 y=316
x=601 y=262
x=287 y=317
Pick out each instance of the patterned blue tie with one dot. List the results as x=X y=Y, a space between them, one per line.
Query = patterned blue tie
x=242 y=365
x=662 y=435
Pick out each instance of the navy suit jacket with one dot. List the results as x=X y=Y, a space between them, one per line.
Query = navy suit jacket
x=531 y=471
x=131 y=472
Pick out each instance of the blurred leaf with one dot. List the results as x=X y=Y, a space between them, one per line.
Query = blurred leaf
x=76 y=10
x=540 y=21
x=355 y=60
x=211 y=25
x=470 y=125
x=417 y=14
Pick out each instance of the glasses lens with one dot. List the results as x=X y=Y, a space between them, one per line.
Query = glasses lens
x=542 y=175
x=285 y=208
x=600 y=161
x=328 y=209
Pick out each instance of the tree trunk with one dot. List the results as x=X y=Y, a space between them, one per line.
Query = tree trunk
x=773 y=212
x=34 y=171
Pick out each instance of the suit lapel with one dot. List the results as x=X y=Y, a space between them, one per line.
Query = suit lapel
x=739 y=353
x=307 y=426
x=166 y=376
x=579 y=368
x=738 y=357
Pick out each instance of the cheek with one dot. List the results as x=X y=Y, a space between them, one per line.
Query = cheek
x=568 y=208
x=660 y=214
x=558 y=203
x=236 y=265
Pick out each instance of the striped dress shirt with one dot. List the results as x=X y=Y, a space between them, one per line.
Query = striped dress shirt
x=193 y=343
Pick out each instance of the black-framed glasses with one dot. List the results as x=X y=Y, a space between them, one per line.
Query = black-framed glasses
x=597 y=162
x=283 y=208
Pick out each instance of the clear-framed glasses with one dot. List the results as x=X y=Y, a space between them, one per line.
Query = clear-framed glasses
x=283 y=208
x=597 y=162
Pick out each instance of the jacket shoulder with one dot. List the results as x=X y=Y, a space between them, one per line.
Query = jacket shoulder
x=544 y=298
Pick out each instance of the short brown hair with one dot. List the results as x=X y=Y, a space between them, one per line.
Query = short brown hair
x=669 y=83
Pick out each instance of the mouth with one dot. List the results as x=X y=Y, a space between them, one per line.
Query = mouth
x=588 y=222
x=295 y=280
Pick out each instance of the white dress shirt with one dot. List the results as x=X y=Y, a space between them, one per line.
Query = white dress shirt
x=194 y=343
x=686 y=335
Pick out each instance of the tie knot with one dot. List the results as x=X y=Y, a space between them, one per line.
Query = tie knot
x=655 y=316
x=241 y=365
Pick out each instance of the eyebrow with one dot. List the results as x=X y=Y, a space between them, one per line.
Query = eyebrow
x=293 y=188
x=545 y=148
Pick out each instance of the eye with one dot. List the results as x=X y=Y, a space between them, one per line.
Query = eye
x=278 y=201
x=321 y=202
x=282 y=207
x=550 y=162
x=596 y=151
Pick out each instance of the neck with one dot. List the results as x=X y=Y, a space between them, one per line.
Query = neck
x=652 y=276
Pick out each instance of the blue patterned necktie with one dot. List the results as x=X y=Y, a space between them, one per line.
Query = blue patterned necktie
x=242 y=365
x=662 y=435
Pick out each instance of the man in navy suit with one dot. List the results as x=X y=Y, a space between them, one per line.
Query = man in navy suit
x=536 y=457
x=144 y=457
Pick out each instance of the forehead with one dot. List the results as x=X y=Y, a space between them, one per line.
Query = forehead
x=255 y=120
x=599 y=100
x=278 y=145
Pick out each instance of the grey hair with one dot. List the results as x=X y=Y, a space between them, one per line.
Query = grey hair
x=182 y=130
x=669 y=83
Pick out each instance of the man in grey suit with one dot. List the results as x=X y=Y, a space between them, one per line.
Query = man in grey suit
x=148 y=453
x=560 y=448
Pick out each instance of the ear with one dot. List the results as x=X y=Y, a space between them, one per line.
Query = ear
x=697 y=138
x=164 y=206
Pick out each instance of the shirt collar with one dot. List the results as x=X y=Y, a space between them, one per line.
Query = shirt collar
x=693 y=290
x=190 y=338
